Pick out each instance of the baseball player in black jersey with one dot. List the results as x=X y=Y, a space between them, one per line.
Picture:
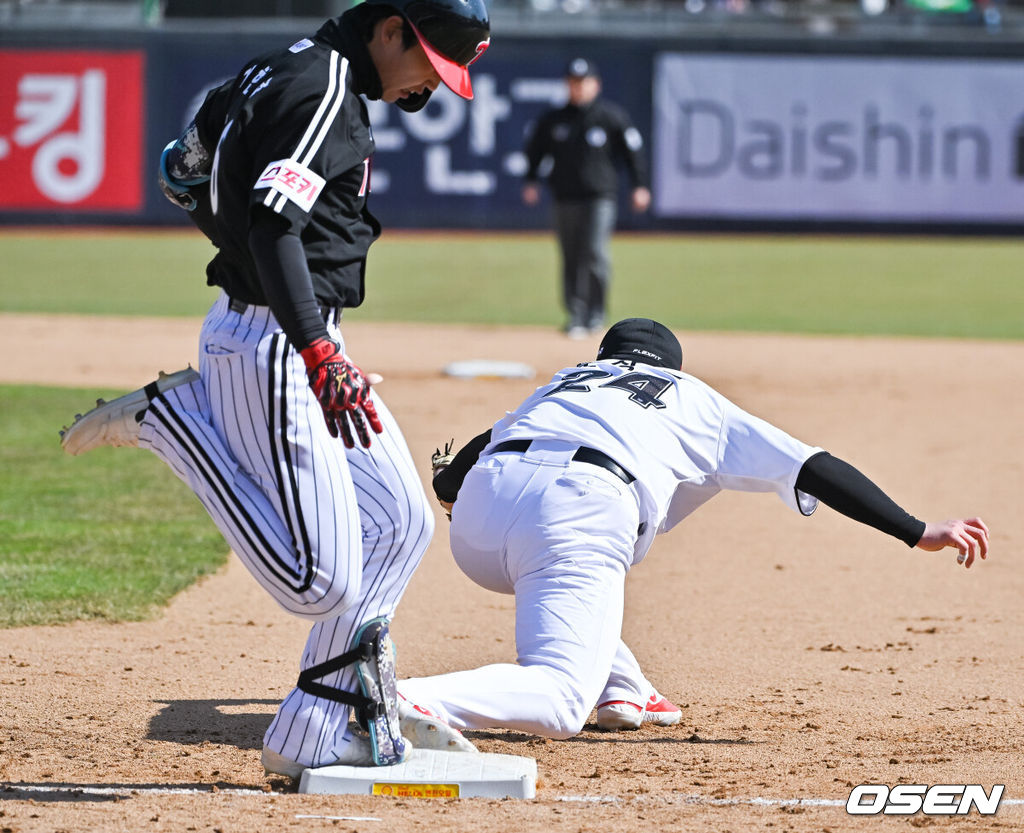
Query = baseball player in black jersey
x=298 y=462
x=587 y=141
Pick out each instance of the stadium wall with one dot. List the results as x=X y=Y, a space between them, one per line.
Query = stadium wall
x=744 y=133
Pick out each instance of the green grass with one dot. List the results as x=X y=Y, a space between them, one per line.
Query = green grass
x=968 y=287
x=109 y=535
x=921 y=287
x=113 y=535
x=105 y=273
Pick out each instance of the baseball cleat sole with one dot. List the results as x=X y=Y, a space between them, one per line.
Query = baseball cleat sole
x=116 y=423
x=427 y=730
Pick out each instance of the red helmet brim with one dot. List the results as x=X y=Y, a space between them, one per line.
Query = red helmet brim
x=454 y=75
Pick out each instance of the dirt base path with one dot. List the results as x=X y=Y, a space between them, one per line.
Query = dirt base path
x=809 y=655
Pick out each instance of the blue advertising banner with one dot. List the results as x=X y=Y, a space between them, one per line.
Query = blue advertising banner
x=751 y=136
x=454 y=164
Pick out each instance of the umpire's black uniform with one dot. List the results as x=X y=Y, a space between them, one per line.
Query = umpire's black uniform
x=586 y=144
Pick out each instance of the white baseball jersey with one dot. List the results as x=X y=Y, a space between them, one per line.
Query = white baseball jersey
x=561 y=534
x=682 y=440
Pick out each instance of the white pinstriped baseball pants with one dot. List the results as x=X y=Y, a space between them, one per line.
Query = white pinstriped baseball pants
x=559 y=535
x=333 y=534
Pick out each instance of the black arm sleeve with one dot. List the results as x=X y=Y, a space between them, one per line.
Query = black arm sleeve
x=448 y=482
x=838 y=484
x=284 y=277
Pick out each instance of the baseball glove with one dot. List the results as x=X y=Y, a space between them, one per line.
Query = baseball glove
x=441 y=459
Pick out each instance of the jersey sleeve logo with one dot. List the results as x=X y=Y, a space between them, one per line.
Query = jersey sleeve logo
x=290 y=180
x=634 y=141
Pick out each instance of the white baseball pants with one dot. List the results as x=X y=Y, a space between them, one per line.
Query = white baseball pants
x=333 y=534
x=559 y=535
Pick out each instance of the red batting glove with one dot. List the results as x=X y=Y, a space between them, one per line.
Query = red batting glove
x=342 y=391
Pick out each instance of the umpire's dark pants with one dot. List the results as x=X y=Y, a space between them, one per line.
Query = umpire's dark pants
x=584 y=230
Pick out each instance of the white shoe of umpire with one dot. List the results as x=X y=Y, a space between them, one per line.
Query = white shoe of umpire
x=357 y=753
x=427 y=730
x=615 y=715
x=116 y=423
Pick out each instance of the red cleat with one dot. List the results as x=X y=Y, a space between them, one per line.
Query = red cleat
x=615 y=715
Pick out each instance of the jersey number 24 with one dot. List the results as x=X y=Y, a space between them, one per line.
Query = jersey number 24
x=643 y=388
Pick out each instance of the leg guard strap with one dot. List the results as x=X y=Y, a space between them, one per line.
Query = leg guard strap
x=366 y=708
x=377 y=706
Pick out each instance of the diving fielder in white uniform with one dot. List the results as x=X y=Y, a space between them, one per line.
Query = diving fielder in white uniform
x=566 y=493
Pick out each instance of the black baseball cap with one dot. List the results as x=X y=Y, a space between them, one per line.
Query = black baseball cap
x=581 y=68
x=642 y=340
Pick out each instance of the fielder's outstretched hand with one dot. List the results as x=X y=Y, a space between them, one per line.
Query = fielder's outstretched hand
x=968 y=536
x=342 y=391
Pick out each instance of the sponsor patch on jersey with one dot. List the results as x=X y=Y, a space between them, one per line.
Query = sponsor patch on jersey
x=298 y=46
x=292 y=181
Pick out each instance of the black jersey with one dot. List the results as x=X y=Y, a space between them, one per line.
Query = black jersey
x=585 y=145
x=292 y=136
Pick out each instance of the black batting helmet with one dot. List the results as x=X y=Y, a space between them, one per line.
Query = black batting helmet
x=453 y=33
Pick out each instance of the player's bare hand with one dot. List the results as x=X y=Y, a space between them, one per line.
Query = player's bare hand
x=531 y=194
x=342 y=391
x=969 y=537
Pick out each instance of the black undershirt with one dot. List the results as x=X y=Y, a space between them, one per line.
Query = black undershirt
x=284 y=277
x=832 y=481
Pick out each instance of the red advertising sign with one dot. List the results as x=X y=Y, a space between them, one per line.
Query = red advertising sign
x=71 y=130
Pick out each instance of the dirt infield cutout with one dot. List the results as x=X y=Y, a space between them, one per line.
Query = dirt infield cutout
x=808 y=655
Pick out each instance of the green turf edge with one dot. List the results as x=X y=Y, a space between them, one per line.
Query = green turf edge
x=109 y=535
x=932 y=287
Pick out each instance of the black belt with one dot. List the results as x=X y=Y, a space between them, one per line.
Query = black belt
x=582 y=455
x=329 y=314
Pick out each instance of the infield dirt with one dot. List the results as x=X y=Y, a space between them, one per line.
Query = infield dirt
x=808 y=655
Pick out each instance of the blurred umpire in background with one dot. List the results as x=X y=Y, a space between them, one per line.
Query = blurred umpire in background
x=587 y=140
